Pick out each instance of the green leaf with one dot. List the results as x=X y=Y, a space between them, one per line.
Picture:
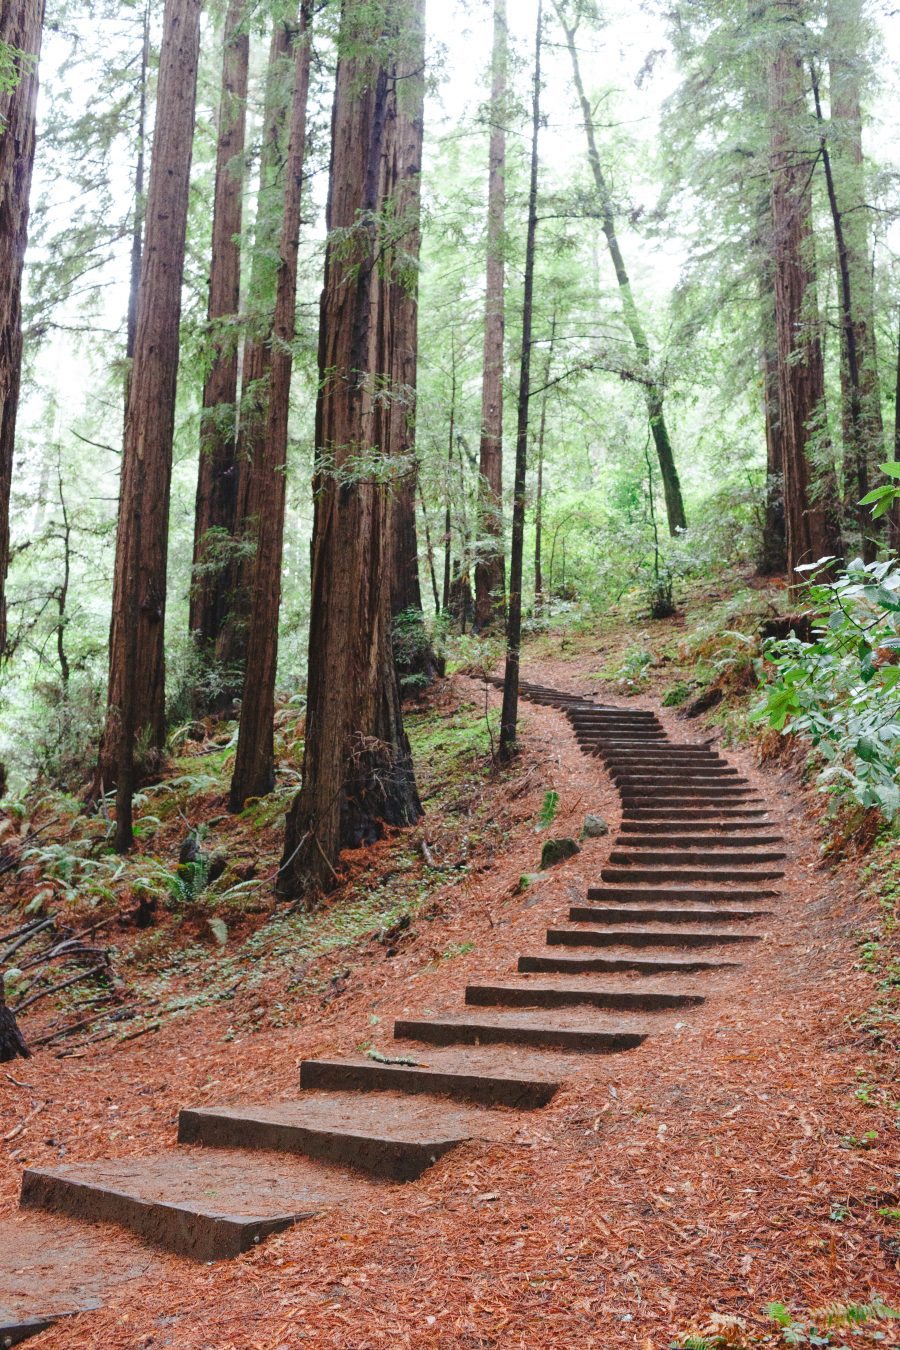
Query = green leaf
x=891 y=469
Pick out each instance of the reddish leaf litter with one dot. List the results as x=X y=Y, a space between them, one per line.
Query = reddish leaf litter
x=726 y=1163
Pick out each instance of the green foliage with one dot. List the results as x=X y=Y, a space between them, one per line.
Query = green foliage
x=549 y=810
x=842 y=691
x=882 y=498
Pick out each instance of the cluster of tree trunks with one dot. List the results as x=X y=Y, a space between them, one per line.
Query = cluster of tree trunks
x=254 y=770
x=357 y=767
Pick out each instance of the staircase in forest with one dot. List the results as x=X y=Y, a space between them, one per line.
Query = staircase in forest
x=686 y=891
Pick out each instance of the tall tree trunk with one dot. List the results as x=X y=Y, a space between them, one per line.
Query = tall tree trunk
x=773 y=550
x=539 y=493
x=402 y=190
x=254 y=768
x=448 y=503
x=489 y=564
x=856 y=439
x=510 y=711
x=139 y=587
x=357 y=767
x=653 y=393
x=864 y=440
x=21 y=27
x=812 y=517
x=894 y=513
x=137 y=222
x=217 y=470
x=231 y=641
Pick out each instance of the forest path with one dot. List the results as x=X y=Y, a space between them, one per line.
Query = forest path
x=685 y=885
x=672 y=950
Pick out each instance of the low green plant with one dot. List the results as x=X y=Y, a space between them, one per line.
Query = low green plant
x=549 y=810
x=841 y=691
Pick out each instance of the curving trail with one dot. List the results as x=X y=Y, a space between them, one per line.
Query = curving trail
x=685 y=891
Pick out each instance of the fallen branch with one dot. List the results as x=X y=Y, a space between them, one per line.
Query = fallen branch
x=17 y=1130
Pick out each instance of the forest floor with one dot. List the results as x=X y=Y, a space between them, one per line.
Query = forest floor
x=748 y=1157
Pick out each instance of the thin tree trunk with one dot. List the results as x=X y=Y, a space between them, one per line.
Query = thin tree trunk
x=894 y=513
x=231 y=640
x=510 y=711
x=429 y=548
x=489 y=563
x=21 y=27
x=865 y=442
x=855 y=431
x=812 y=518
x=217 y=470
x=137 y=223
x=653 y=393
x=357 y=767
x=539 y=495
x=773 y=550
x=448 y=508
x=139 y=592
x=254 y=767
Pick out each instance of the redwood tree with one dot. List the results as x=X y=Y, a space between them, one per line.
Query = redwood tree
x=812 y=518
x=861 y=392
x=254 y=769
x=136 y=690
x=238 y=572
x=490 y=576
x=357 y=767
x=217 y=473
x=401 y=192
x=21 y=28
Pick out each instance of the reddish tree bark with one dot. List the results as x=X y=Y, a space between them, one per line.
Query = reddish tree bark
x=490 y=572
x=254 y=769
x=139 y=587
x=21 y=27
x=402 y=190
x=217 y=471
x=231 y=641
x=357 y=767
x=812 y=515
x=863 y=426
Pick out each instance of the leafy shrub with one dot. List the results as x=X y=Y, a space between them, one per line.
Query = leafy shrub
x=842 y=690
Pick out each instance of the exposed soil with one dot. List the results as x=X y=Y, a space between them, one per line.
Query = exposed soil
x=724 y=1164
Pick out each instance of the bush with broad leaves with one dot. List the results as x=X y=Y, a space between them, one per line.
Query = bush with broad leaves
x=842 y=690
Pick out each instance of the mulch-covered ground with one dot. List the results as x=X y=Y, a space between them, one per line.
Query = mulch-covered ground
x=727 y=1163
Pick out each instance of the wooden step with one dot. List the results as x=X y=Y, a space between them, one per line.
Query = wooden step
x=652 y=913
x=693 y=857
x=729 y=828
x=204 y=1204
x=670 y=839
x=508 y=1076
x=586 y=1035
x=665 y=895
x=658 y=874
x=375 y=1134
x=645 y=937
x=636 y=963
x=528 y=994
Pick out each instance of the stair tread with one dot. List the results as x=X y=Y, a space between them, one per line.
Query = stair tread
x=203 y=1203
x=345 y=1113
x=552 y=958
